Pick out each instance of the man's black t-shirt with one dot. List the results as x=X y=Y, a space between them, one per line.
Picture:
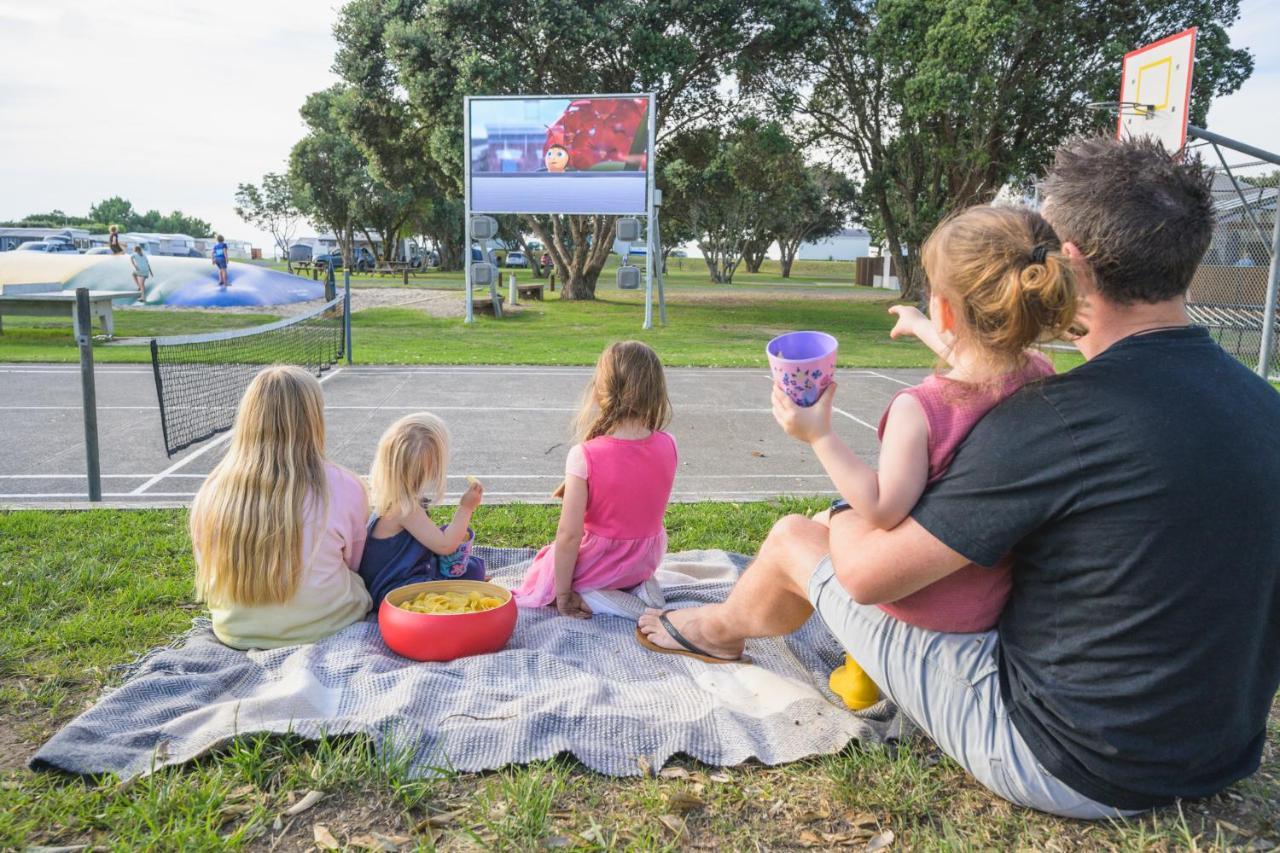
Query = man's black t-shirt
x=1140 y=497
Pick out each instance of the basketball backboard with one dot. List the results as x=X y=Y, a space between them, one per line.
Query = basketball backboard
x=1155 y=90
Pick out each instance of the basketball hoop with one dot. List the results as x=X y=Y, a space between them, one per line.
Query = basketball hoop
x=1123 y=108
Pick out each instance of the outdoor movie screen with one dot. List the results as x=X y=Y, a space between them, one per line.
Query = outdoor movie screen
x=560 y=155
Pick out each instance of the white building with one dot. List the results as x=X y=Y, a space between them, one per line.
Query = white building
x=848 y=245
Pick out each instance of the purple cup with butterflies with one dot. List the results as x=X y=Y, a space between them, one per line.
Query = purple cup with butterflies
x=803 y=364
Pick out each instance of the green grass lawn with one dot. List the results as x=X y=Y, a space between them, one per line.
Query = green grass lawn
x=119 y=582
x=704 y=329
x=681 y=272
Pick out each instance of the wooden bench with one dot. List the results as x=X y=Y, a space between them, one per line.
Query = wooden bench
x=530 y=291
x=484 y=302
x=18 y=301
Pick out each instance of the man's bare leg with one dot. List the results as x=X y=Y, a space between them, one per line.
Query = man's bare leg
x=770 y=599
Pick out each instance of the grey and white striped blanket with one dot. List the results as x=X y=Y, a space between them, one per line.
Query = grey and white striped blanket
x=561 y=686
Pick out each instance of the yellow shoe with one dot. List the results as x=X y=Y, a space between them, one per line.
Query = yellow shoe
x=853 y=685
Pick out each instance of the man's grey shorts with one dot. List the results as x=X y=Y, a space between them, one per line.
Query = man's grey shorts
x=949 y=687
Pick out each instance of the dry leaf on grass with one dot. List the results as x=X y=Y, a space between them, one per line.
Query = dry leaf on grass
x=672 y=823
x=308 y=800
x=673 y=773
x=720 y=777
x=380 y=843
x=881 y=841
x=680 y=802
x=324 y=838
x=441 y=819
x=809 y=838
x=645 y=767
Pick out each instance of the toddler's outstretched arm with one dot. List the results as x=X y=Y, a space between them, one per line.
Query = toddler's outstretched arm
x=568 y=540
x=446 y=541
x=914 y=323
x=882 y=498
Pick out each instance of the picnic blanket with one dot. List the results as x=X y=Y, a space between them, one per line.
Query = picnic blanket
x=583 y=687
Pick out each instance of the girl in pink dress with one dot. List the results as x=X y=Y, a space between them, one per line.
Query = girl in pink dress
x=616 y=486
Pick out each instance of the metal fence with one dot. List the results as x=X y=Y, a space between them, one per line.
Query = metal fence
x=1235 y=280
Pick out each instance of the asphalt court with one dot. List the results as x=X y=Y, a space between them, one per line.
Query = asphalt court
x=509 y=424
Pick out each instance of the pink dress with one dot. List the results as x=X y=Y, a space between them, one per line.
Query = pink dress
x=628 y=485
x=970 y=599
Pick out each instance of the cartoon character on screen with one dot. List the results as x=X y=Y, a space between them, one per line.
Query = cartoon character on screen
x=556 y=158
x=603 y=134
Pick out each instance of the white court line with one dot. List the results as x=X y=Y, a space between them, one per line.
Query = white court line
x=890 y=378
x=217 y=442
x=840 y=411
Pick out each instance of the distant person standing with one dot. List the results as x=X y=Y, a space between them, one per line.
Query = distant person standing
x=141 y=271
x=113 y=240
x=220 y=259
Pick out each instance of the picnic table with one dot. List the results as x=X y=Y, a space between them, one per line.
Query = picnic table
x=44 y=301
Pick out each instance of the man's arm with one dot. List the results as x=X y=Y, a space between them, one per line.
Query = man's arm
x=876 y=566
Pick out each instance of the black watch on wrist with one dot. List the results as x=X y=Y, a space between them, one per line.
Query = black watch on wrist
x=838 y=506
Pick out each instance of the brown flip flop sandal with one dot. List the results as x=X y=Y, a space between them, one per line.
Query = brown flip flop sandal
x=689 y=650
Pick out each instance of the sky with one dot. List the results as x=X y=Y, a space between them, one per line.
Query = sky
x=171 y=103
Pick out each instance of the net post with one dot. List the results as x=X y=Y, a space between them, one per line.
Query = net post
x=1269 y=310
x=89 y=396
x=155 y=370
x=346 y=310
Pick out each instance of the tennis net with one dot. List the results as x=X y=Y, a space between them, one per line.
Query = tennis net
x=200 y=378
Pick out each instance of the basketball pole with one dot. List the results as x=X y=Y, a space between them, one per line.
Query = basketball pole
x=1269 y=312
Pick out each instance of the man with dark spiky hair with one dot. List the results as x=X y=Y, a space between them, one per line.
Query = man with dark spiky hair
x=1139 y=653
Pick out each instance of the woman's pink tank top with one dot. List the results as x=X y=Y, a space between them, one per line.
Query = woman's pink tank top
x=628 y=484
x=970 y=599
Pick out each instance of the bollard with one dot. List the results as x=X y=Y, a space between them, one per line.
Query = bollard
x=88 y=393
x=514 y=299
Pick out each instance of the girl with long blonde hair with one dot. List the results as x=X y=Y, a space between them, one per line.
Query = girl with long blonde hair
x=618 y=479
x=278 y=531
x=408 y=475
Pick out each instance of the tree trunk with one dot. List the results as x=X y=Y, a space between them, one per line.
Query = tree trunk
x=786 y=255
x=579 y=254
x=753 y=254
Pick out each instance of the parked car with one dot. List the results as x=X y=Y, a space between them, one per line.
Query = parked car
x=516 y=259
x=98 y=250
x=48 y=246
x=363 y=261
x=477 y=257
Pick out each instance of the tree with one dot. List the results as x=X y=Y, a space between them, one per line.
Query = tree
x=820 y=203
x=271 y=208
x=939 y=103
x=114 y=211
x=439 y=221
x=328 y=173
x=412 y=61
x=729 y=188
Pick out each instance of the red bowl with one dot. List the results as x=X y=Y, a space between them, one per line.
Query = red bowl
x=445 y=636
